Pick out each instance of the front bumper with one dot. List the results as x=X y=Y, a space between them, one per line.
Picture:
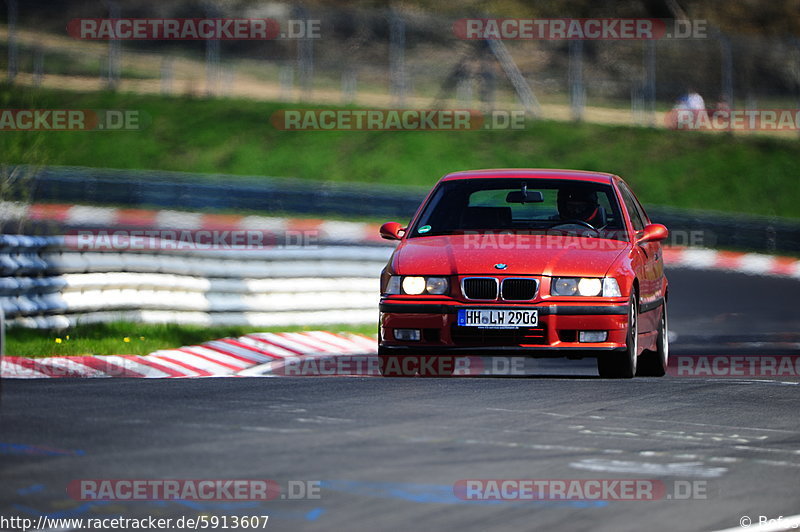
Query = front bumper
x=556 y=334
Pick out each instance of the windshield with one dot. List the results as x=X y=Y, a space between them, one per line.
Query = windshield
x=522 y=205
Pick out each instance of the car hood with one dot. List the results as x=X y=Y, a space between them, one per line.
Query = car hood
x=523 y=254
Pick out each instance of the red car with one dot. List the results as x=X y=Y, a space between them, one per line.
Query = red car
x=546 y=263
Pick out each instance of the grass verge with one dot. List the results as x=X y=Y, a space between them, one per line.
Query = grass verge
x=738 y=173
x=123 y=338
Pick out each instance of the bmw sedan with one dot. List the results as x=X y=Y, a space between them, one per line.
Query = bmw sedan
x=544 y=263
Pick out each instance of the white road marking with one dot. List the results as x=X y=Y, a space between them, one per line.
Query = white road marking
x=776 y=463
x=765 y=449
x=679 y=469
x=635 y=432
x=678 y=422
x=322 y=420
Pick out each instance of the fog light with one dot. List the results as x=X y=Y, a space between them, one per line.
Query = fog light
x=592 y=336
x=408 y=335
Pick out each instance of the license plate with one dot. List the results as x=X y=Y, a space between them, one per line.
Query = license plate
x=503 y=318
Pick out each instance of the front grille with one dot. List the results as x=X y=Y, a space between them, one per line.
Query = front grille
x=475 y=336
x=518 y=289
x=480 y=288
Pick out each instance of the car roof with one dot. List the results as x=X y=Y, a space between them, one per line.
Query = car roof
x=532 y=173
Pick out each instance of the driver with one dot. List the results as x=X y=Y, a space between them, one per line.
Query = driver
x=579 y=204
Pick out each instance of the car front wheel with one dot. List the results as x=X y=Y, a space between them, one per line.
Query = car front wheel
x=622 y=365
x=655 y=363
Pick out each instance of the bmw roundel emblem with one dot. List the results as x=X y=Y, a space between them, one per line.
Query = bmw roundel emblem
x=501 y=266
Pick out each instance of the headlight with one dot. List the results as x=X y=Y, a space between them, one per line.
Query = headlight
x=584 y=286
x=415 y=286
x=564 y=286
x=436 y=285
x=590 y=287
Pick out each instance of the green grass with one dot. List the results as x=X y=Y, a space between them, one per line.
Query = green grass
x=110 y=338
x=684 y=169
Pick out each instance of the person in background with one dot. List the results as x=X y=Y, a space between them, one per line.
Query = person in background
x=690 y=102
x=695 y=102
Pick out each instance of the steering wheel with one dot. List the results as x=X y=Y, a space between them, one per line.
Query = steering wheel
x=577 y=222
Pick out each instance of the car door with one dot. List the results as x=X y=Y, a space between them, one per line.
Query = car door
x=651 y=280
x=648 y=253
x=656 y=261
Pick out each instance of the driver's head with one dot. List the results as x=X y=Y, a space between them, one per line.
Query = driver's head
x=577 y=204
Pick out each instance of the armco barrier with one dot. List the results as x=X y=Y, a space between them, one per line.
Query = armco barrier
x=45 y=283
x=208 y=191
x=160 y=189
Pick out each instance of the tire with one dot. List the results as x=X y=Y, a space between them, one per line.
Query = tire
x=622 y=365
x=655 y=363
x=397 y=365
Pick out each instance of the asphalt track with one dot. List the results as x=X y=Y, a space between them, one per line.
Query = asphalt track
x=387 y=452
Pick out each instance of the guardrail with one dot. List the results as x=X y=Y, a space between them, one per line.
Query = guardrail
x=136 y=188
x=46 y=283
x=727 y=231
x=186 y=191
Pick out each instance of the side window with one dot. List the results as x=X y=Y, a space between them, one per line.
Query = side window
x=639 y=207
x=633 y=208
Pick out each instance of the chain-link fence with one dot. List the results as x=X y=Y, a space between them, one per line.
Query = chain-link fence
x=410 y=59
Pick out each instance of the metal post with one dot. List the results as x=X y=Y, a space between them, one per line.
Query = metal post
x=349 y=86
x=513 y=73
x=12 y=39
x=166 y=75
x=212 y=57
x=577 y=92
x=212 y=66
x=38 y=66
x=286 y=75
x=637 y=103
x=114 y=52
x=727 y=69
x=487 y=82
x=650 y=81
x=464 y=91
x=306 y=65
x=305 y=56
x=397 y=57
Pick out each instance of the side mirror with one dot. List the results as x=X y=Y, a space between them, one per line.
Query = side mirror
x=392 y=231
x=652 y=233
